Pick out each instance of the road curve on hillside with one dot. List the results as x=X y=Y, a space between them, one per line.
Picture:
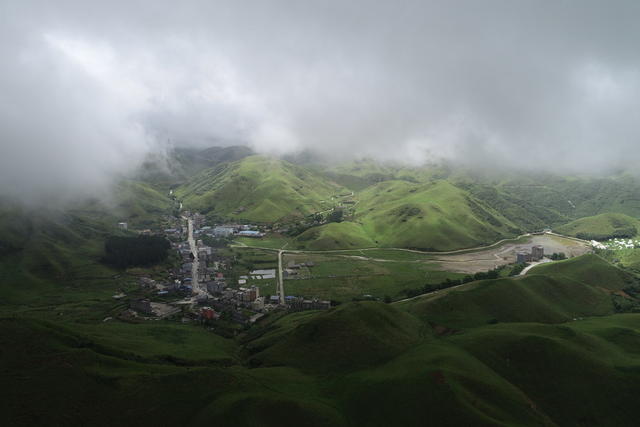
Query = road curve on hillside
x=457 y=251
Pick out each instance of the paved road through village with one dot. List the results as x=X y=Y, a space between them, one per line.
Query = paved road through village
x=194 y=269
x=280 y=278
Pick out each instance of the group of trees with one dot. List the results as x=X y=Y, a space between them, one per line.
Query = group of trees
x=517 y=269
x=126 y=252
x=621 y=233
x=335 y=216
x=448 y=283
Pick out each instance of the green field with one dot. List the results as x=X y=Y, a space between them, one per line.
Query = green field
x=341 y=278
x=272 y=241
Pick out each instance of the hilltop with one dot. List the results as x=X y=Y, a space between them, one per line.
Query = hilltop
x=437 y=216
x=259 y=189
x=434 y=207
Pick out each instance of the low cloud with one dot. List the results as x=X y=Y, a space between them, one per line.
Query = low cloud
x=87 y=92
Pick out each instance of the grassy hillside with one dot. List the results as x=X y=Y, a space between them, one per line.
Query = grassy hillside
x=440 y=359
x=47 y=250
x=601 y=227
x=362 y=334
x=138 y=203
x=579 y=373
x=551 y=293
x=258 y=188
x=434 y=217
x=531 y=201
x=530 y=298
x=556 y=200
x=589 y=269
x=343 y=235
x=166 y=170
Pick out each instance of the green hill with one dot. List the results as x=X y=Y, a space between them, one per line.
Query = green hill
x=530 y=298
x=601 y=227
x=43 y=250
x=175 y=167
x=259 y=189
x=589 y=269
x=439 y=216
x=555 y=366
x=499 y=352
x=138 y=203
x=342 y=235
x=350 y=337
x=551 y=293
x=530 y=200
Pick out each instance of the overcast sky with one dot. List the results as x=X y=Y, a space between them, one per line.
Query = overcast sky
x=87 y=90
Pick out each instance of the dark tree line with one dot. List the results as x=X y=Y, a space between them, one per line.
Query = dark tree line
x=126 y=252
x=621 y=233
x=448 y=283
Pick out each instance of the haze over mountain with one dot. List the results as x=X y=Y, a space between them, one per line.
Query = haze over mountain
x=90 y=90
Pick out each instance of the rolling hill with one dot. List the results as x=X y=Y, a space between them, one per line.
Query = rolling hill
x=601 y=227
x=43 y=250
x=558 y=346
x=497 y=352
x=552 y=293
x=259 y=189
x=436 y=216
x=342 y=235
x=436 y=207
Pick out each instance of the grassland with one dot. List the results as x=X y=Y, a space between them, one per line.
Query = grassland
x=271 y=241
x=549 y=348
x=259 y=189
x=433 y=217
x=590 y=269
x=501 y=352
x=344 y=277
x=601 y=227
x=343 y=235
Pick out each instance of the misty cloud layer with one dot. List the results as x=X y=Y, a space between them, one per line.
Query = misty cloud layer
x=87 y=91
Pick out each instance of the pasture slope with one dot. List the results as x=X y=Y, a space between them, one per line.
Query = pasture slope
x=259 y=189
x=601 y=227
x=515 y=356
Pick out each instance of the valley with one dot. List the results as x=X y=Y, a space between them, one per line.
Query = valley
x=277 y=303
x=319 y=213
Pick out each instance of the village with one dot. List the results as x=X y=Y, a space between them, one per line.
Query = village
x=197 y=288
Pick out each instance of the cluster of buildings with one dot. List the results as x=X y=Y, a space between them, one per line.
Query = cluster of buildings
x=214 y=300
x=293 y=268
x=301 y=304
x=228 y=230
x=243 y=305
x=536 y=254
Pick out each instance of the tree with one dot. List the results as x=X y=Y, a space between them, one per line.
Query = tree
x=335 y=216
x=125 y=252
